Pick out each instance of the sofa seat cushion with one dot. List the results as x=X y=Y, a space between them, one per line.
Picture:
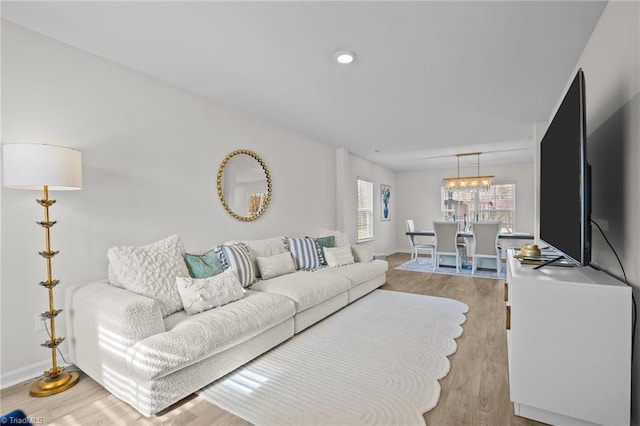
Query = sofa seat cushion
x=192 y=338
x=305 y=288
x=358 y=273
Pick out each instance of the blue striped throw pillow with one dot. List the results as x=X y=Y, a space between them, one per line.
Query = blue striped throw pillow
x=236 y=257
x=305 y=253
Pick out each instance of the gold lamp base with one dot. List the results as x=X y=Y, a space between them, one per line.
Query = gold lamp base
x=46 y=386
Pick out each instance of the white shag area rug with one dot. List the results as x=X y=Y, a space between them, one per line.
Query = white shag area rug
x=375 y=362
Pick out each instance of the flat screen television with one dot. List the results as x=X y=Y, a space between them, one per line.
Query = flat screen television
x=565 y=179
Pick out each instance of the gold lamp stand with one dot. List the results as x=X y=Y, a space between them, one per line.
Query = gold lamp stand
x=56 y=379
x=57 y=168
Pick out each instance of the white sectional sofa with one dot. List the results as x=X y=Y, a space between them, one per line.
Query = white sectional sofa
x=123 y=341
x=321 y=292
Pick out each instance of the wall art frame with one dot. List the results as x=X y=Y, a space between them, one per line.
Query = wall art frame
x=385 y=202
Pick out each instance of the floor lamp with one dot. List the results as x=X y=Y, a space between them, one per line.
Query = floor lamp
x=45 y=168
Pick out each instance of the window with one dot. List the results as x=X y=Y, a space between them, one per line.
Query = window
x=365 y=210
x=497 y=203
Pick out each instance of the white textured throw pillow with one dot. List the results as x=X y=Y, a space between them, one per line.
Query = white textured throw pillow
x=113 y=279
x=338 y=256
x=151 y=270
x=274 y=266
x=201 y=294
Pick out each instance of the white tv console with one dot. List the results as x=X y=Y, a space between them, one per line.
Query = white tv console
x=569 y=344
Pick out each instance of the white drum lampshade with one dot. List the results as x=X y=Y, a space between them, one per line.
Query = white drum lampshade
x=32 y=166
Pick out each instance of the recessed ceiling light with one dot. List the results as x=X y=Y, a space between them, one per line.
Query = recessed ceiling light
x=345 y=57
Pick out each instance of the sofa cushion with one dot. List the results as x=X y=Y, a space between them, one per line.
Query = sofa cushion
x=266 y=247
x=305 y=288
x=151 y=271
x=362 y=254
x=358 y=273
x=201 y=294
x=193 y=338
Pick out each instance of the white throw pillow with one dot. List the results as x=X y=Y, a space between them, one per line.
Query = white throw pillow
x=338 y=256
x=201 y=294
x=151 y=271
x=113 y=279
x=274 y=266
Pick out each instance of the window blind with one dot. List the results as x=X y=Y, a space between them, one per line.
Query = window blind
x=365 y=209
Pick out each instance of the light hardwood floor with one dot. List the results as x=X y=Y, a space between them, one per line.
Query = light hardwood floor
x=475 y=392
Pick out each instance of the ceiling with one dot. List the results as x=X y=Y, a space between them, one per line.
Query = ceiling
x=431 y=79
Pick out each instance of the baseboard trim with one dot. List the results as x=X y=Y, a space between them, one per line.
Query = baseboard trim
x=26 y=373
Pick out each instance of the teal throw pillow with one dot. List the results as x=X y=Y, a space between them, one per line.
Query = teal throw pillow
x=321 y=244
x=204 y=265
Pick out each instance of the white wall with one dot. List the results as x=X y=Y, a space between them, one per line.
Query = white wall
x=611 y=64
x=419 y=196
x=383 y=231
x=151 y=153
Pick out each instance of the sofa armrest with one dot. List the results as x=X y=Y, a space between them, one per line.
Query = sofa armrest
x=362 y=254
x=102 y=317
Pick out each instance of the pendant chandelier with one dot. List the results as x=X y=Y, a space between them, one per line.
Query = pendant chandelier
x=468 y=183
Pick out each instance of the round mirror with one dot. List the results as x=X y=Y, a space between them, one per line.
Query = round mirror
x=244 y=185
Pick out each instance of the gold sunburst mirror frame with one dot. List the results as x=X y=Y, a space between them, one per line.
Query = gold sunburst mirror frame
x=255 y=201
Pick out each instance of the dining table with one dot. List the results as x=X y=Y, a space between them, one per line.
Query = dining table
x=467 y=234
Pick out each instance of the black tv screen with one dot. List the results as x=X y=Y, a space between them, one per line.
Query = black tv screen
x=565 y=190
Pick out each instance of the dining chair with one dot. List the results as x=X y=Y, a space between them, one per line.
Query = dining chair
x=447 y=243
x=415 y=247
x=485 y=243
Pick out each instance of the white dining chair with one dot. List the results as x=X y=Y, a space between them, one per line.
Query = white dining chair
x=415 y=247
x=485 y=243
x=447 y=243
